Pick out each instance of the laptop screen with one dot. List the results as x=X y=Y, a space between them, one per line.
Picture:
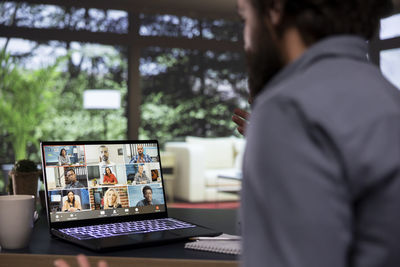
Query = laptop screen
x=96 y=180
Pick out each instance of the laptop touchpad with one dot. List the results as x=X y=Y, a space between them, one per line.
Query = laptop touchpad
x=154 y=236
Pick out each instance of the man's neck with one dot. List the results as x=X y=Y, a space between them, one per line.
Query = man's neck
x=291 y=45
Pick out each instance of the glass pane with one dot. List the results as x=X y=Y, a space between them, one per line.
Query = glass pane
x=190 y=92
x=6 y=12
x=47 y=80
x=390 y=27
x=168 y=25
x=50 y=16
x=175 y=26
x=390 y=65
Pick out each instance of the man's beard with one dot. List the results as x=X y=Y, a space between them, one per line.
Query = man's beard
x=264 y=62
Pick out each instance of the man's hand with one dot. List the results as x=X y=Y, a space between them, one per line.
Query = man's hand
x=240 y=117
x=82 y=262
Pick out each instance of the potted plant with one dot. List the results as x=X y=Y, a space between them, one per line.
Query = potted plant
x=25 y=177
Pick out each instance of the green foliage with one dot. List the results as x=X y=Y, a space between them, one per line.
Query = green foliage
x=25 y=101
x=185 y=95
x=47 y=103
x=2 y=182
x=199 y=116
x=25 y=165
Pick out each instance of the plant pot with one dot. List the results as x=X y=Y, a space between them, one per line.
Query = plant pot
x=25 y=183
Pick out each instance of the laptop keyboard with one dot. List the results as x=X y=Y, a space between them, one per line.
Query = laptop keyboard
x=124 y=228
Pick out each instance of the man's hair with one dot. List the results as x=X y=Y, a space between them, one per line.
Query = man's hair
x=317 y=19
x=146 y=188
x=71 y=170
x=103 y=146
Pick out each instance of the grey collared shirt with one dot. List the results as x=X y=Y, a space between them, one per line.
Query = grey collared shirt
x=321 y=177
x=76 y=184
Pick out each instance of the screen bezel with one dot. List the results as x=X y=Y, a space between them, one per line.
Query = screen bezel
x=104 y=220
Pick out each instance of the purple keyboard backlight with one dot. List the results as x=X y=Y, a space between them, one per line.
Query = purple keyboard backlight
x=125 y=228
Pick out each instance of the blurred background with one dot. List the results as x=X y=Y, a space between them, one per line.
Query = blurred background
x=176 y=68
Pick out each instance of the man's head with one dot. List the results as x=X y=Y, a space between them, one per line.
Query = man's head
x=104 y=153
x=140 y=150
x=147 y=193
x=140 y=169
x=71 y=176
x=269 y=23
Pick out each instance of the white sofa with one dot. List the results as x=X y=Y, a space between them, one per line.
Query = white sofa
x=199 y=162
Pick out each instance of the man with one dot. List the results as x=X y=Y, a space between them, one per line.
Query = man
x=104 y=157
x=71 y=181
x=140 y=157
x=141 y=177
x=321 y=178
x=148 y=197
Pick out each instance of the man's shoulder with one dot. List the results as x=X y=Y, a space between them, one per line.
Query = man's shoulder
x=336 y=92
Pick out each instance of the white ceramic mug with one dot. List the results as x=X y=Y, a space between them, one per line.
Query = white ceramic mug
x=16 y=220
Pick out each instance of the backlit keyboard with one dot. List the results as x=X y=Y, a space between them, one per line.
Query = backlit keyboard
x=124 y=228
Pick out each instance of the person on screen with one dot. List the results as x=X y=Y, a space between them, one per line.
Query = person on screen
x=112 y=199
x=104 y=157
x=140 y=157
x=141 y=177
x=72 y=181
x=71 y=204
x=63 y=158
x=109 y=177
x=154 y=175
x=148 y=197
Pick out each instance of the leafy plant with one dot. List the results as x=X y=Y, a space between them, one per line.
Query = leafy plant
x=25 y=165
x=25 y=100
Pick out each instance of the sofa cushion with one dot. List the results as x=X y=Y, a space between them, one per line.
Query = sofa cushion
x=219 y=152
x=211 y=177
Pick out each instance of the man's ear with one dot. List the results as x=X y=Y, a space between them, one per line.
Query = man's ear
x=275 y=17
x=274 y=13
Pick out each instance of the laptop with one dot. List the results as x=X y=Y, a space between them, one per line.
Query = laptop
x=110 y=194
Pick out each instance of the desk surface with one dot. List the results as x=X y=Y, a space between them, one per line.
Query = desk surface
x=221 y=220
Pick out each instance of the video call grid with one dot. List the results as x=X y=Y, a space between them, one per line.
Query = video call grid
x=82 y=159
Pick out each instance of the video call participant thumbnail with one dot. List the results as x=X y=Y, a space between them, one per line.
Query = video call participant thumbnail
x=109 y=178
x=148 y=197
x=112 y=199
x=71 y=204
x=104 y=158
x=141 y=157
x=63 y=158
x=71 y=180
x=140 y=176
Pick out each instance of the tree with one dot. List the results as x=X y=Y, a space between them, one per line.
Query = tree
x=25 y=100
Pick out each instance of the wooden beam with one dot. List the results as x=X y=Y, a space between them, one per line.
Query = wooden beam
x=194 y=43
x=107 y=38
x=391 y=43
x=134 y=90
x=64 y=35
